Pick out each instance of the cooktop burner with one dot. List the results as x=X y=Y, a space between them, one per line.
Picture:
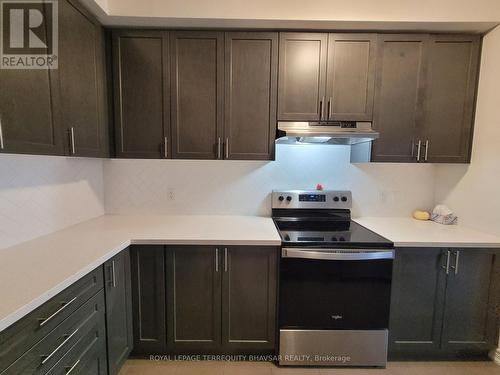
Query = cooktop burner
x=321 y=219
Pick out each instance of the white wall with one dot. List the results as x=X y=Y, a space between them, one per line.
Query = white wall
x=353 y=10
x=474 y=191
x=42 y=194
x=244 y=187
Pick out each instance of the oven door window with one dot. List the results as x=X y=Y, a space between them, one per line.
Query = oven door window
x=335 y=294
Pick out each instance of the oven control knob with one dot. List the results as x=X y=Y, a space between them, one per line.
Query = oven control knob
x=344 y=199
x=281 y=198
x=336 y=199
x=289 y=198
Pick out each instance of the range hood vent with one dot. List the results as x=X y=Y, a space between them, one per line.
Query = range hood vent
x=336 y=133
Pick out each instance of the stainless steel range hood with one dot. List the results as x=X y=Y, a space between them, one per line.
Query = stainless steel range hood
x=336 y=133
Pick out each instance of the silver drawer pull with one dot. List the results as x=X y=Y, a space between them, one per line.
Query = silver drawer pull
x=46 y=358
x=44 y=321
x=69 y=370
x=1 y=134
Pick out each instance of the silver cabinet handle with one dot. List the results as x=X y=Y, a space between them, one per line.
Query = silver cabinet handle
x=225 y=259
x=455 y=267
x=216 y=260
x=113 y=273
x=219 y=149
x=322 y=109
x=46 y=358
x=165 y=147
x=69 y=370
x=419 y=149
x=447 y=266
x=1 y=134
x=44 y=321
x=329 y=113
x=426 y=150
x=227 y=148
x=72 y=140
x=336 y=254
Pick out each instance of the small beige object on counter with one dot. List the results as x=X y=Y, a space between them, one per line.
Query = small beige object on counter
x=421 y=215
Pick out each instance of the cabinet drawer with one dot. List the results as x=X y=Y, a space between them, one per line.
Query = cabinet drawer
x=47 y=352
x=87 y=356
x=25 y=333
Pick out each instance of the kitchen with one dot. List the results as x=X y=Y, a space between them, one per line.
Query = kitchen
x=230 y=189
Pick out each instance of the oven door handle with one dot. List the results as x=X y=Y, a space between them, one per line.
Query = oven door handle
x=335 y=254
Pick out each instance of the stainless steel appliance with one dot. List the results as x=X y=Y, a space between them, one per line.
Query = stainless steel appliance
x=335 y=282
x=335 y=132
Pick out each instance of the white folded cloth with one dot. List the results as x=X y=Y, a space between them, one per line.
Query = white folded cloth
x=443 y=215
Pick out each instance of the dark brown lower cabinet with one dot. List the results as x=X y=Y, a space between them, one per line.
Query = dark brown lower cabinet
x=148 y=299
x=221 y=299
x=443 y=303
x=249 y=286
x=194 y=298
x=118 y=310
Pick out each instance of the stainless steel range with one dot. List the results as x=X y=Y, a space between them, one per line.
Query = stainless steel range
x=335 y=282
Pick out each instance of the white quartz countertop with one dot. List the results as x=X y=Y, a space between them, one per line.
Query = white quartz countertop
x=33 y=272
x=408 y=232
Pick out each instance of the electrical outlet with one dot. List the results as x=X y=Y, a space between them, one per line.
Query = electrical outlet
x=171 y=194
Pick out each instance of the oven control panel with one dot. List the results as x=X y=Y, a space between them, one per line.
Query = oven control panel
x=328 y=199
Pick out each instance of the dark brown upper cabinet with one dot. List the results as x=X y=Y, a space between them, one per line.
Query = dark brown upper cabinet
x=197 y=85
x=302 y=76
x=446 y=133
x=82 y=81
x=326 y=76
x=350 y=76
x=141 y=93
x=425 y=98
x=251 y=65
x=399 y=93
x=29 y=112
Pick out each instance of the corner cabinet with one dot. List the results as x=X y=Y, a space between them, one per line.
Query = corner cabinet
x=82 y=81
x=60 y=111
x=117 y=287
x=443 y=303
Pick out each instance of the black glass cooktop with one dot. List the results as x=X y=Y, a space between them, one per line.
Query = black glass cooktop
x=331 y=232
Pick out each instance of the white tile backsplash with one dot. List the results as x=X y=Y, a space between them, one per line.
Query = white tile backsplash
x=42 y=194
x=243 y=187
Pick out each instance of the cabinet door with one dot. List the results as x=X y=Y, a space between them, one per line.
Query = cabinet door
x=82 y=81
x=351 y=76
x=194 y=295
x=29 y=112
x=141 y=94
x=450 y=98
x=118 y=310
x=302 y=76
x=467 y=324
x=398 y=96
x=418 y=285
x=249 y=298
x=197 y=76
x=148 y=299
x=250 y=95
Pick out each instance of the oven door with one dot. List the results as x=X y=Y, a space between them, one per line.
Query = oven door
x=335 y=289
